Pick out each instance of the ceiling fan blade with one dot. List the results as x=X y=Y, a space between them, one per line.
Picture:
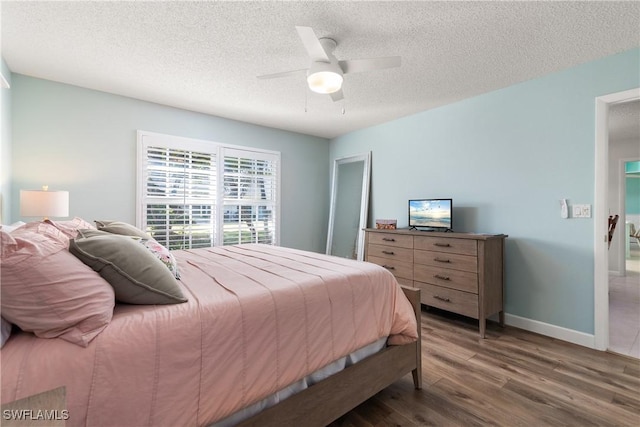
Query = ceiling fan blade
x=360 y=65
x=282 y=74
x=337 y=96
x=312 y=44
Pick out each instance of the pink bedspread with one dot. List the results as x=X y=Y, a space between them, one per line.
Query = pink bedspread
x=258 y=318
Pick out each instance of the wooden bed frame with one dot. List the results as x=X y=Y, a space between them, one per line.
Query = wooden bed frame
x=333 y=397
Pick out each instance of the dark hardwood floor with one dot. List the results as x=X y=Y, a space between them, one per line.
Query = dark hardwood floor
x=511 y=378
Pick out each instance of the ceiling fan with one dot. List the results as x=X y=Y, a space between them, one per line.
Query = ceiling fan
x=325 y=73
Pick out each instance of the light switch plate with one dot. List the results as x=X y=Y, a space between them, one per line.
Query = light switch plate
x=581 y=211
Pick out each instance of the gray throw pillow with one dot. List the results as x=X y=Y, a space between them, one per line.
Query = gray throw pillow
x=159 y=251
x=137 y=276
x=119 y=227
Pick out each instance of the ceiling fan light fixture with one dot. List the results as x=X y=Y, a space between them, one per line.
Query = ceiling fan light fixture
x=325 y=74
x=324 y=77
x=325 y=82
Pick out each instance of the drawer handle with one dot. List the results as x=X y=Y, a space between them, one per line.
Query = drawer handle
x=388 y=239
x=388 y=252
x=441 y=298
x=442 y=245
x=441 y=260
x=437 y=276
x=389 y=267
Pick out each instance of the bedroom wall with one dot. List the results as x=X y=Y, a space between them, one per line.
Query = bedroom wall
x=5 y=147
x=84 y=141
x=506 y=158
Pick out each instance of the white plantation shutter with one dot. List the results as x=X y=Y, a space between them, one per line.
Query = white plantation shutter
x=250 y=197
x=200 y=194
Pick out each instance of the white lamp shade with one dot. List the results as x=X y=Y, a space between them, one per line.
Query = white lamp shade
x=40 y=203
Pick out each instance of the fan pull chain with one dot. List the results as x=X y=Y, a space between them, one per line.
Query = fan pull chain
x=306 y=95
x=343 y=110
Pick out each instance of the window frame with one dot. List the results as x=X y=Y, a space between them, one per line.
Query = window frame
x=219 y=150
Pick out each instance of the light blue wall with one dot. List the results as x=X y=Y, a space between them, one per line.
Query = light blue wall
x=506 y=158
x=84 y=141
x=5 y=148
x=632 y=167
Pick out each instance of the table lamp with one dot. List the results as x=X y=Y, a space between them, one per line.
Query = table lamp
x=44 y=203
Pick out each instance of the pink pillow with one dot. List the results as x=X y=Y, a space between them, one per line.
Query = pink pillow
x=70 y=228
x=42 y=228
x=48 y=291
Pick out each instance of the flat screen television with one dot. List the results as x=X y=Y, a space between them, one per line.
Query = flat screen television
x=432 y=214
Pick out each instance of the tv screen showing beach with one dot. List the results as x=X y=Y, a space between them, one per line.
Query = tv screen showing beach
x=430 y=213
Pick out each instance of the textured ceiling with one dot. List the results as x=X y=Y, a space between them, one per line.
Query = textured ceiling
x=205 y=56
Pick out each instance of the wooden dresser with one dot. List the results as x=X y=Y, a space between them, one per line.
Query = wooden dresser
x=458 y=272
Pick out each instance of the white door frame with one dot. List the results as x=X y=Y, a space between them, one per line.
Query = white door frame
x=601 y=214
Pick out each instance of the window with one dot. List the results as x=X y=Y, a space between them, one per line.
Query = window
x=250 y=182
x=195 y=193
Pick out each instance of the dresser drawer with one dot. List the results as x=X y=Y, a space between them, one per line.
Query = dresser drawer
x=448 y=299
x=391 y=252
x=452 y=279
x=446 y=260
x=445 y=244
x=399 y=269
x=391 y=239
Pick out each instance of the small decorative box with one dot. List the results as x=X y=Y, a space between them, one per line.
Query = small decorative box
x=386 y=224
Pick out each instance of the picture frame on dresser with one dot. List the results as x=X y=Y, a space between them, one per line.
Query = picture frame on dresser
x=458 y=272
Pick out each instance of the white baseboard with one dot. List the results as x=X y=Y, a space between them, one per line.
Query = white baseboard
x=553 y=331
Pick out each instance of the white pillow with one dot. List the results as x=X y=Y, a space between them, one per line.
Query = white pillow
x=10 y=228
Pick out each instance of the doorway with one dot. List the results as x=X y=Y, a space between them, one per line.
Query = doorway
x=601 y=213
x=624 y=254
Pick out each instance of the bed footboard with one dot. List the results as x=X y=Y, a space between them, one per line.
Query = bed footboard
x=413 y=295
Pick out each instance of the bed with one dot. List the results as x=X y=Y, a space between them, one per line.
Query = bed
x=265 y=333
